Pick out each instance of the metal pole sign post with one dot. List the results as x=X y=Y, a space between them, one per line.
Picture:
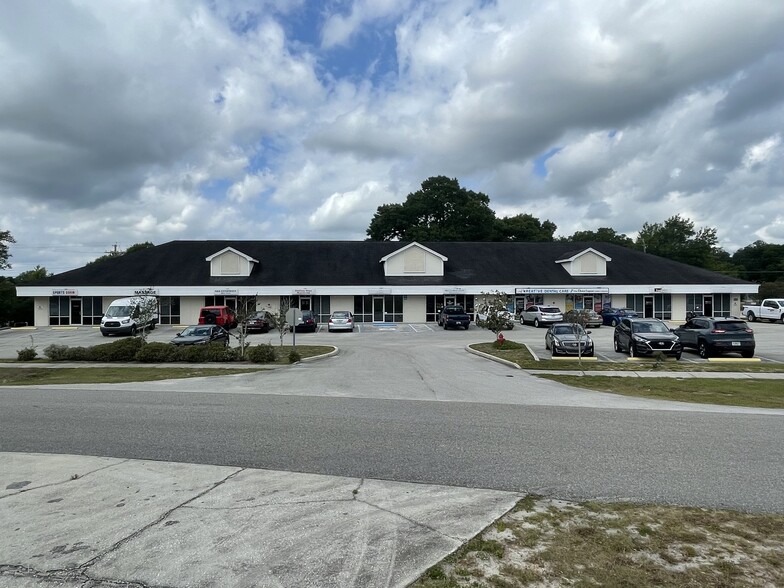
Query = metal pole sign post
x=293 y=315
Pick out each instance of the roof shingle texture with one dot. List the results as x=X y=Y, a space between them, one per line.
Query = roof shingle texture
x=356 y=263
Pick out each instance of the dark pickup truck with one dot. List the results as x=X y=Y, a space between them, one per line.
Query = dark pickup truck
x=453 y=316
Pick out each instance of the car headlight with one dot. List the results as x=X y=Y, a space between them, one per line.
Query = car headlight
x=126 y=321
x=639 y=339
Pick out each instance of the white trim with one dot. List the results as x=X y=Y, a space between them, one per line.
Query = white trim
x=409 y=246
x=583 y=252
x=225 y=249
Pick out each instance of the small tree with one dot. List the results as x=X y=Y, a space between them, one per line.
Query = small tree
x=148 y=311
x=246 y=306
x=494 y=308
x=578 y=319
x=280 y=317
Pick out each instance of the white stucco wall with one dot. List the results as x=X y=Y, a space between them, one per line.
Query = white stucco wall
x=189 y=309
x=41 y=311
x=414 y=309
x=394 y=266
x=341 y=303
x=678 y=304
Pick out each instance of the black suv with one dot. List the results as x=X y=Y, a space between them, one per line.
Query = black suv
x=645 y=336
x=715 y=335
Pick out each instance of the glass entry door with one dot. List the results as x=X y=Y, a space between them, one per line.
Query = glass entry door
x=378 y=309
x=76 y=311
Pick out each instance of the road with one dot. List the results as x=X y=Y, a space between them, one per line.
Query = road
x=396 y=406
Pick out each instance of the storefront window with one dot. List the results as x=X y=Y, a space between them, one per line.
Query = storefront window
x=169 y=310
x=59 y=310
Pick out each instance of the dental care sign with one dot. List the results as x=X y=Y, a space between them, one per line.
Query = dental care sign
x=562 y=290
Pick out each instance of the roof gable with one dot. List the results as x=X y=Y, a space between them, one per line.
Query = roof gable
x=587 y=262
x=414 y=260
x=230 y=262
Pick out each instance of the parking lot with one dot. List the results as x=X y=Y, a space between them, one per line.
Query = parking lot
x=768 y=338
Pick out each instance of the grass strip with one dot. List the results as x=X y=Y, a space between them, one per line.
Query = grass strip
x=108 y=375
x=727 y=392
x=519 y=354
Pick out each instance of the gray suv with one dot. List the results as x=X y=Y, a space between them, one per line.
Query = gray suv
x=645 y=336
x=715 y=335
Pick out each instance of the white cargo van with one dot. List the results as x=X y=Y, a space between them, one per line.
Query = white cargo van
x=124 y=316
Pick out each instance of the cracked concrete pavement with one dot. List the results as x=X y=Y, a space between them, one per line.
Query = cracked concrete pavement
x=93 y=522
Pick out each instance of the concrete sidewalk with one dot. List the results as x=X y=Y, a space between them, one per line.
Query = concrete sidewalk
x=77 y=521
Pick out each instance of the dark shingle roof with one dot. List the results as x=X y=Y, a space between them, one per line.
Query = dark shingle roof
x=356 y=263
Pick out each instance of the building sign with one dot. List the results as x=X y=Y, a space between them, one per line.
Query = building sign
x=454 y=290
x=65 y=292
x=303 y=292
x=562 y=290
x=146 y=292
x=226 y=291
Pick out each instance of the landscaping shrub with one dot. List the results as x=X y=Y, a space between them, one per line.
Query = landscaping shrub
x=77 y=353
x=56 y=352
x=121 y=350
x=26 y=354
x=157 y=353
x=218 y=352
x=263 y=353
x=191 y=353
x=294 y=356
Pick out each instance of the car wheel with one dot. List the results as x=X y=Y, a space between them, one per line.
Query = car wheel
x=616 y=345
x=678 y=356
x=152 y=326
x=134 y=330
x=704 y=350
x=751 y=317
x=105 y=334
x=546 y=344
x=445 y=327
x=614 y=323
x=632 y=350
x=536 y=323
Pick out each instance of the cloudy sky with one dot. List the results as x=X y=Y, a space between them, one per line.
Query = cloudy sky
x=142 y=120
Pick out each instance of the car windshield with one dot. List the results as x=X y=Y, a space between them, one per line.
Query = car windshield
x=114 y=311
x=568 y=330
x=650 y=327
x=196 y=332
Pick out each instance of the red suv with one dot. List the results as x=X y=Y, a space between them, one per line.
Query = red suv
x=218 y=315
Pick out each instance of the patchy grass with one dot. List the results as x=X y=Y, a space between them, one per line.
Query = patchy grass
x=108 y=375
x=520 y=355
x=616 y=544
x=282 y=351
x=732 y=392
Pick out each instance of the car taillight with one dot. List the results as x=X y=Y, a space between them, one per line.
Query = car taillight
x=749 y=330
x=717 y=331
x=348 y=320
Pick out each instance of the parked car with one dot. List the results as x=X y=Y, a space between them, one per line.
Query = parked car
x=568 y=339
x=341 y=320
x=259 y=321
x=613 y=316
x=586 y=317
x=539 y=314
x=202 y=335
x=770 y=309
x=714 y=335
x=124 y=316
x=223 y=316
x=645 y=336
x=453 y=316
x=504 y=316
x=306 y=322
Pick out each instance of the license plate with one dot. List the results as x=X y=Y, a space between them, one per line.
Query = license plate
x=736 y=343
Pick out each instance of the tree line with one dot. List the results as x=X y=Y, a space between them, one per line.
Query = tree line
x=442 y=210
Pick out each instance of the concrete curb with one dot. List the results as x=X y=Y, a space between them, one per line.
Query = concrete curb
x=332 y=353
x=492 y=358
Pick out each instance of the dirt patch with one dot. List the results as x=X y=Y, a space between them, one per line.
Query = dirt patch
x=546 y=543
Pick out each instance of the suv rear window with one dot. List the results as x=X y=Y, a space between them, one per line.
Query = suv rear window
x=549 y=309
x=731 y=325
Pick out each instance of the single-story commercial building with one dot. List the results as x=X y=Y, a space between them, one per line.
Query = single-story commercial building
x=384 y=281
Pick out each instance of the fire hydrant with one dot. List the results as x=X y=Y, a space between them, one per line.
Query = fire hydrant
x=500 y=339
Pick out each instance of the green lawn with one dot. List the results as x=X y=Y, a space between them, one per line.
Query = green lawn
x=109 y=375
x=734 y=392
